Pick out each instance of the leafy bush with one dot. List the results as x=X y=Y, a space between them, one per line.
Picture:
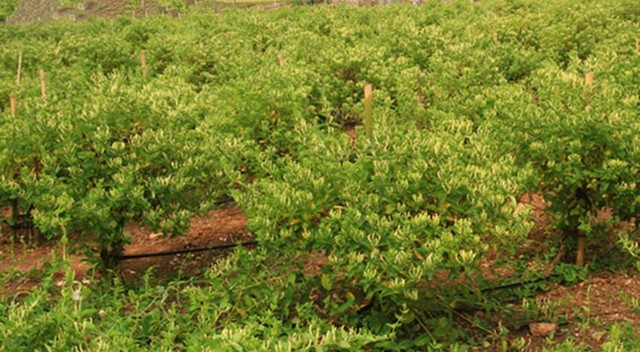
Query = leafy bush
x=583 y=141
x=475 y=105
x=392 y=214
x=127 y=158
x=6 y=8
x=229 y=311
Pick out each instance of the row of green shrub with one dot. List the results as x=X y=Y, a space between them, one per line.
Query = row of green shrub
x=475 y=105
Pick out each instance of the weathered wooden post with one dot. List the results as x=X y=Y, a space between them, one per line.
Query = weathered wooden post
x=368 y=110
x=43 y=84
x=143 y=63
x=13 y=102
x=19 y=71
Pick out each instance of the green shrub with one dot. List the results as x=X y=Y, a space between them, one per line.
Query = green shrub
x=6 y=8
x=391 y=214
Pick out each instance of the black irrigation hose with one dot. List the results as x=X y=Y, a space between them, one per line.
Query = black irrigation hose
x=185 y=251
x=225 y=200
x=221 y=201
x=540 y=279
x=519 y=283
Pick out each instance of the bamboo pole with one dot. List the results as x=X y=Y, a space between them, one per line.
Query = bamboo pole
x=14 y=105
x=19 y=71
x=368 y=110
x=588 y=80
x=13 y=102
x=143 y=63
x=43 y=84
x=143 y=5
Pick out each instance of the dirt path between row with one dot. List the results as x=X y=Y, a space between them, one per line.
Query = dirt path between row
x=221 y=226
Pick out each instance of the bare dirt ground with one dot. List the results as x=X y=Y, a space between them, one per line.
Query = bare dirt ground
x=22 y=264
x=221 y=226
x=590 y=306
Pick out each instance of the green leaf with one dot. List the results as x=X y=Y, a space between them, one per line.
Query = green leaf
x=326 y=281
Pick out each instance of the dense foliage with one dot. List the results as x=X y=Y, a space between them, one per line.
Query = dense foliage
x=475 y=105
x=6 y=8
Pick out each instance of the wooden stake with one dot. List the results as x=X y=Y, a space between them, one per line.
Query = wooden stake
x=143 y=62
x=368 y=110
x=580 y=255
x=14 y=105
x=43 y=84
x=421 y=96
x=281 y=62
x=19 y=70
x=143 y=6
x=588 y=80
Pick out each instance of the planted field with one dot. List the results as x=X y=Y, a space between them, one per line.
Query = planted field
x=26 y=11
x=394 y=178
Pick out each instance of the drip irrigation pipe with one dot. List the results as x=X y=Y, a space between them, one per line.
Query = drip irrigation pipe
x=221 y=201
x=544 y=278
x=186 y=251
x=225 y=200
x=519 y=283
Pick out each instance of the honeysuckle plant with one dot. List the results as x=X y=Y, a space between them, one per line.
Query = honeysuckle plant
x=6 y=9
x=581 y=135
x=411 y=205
x=125 y=156
x=475 y=104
